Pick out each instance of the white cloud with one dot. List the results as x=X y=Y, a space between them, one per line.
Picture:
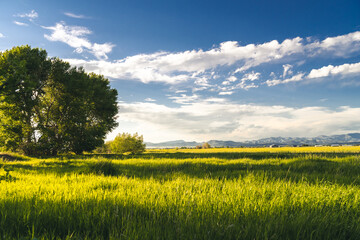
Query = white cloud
x=180 y=91
x=226 y=83
x=150 y=100
x=184 y=99
x=2 y=35
x=207 y=119
x=340 y=46
x=296 y=78
x=226 y=93
x=343 y=70
x=287 y=70
x=31 y=15
x=232 y=79
x=72 y=15
x=251 y=76
x=20 y=23
x=174 y=68
x=177 y=67
x=75 y=37
x=330 y=70
x=246 y=86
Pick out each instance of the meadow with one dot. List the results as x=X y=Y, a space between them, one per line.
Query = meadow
x=234 y=193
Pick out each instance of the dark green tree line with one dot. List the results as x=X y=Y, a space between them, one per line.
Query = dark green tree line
x=47 y=106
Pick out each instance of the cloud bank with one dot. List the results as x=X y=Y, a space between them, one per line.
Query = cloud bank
x=173 y=68
x=206 y=119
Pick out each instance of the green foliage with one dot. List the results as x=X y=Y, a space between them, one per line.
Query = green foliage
x=23 y=74
x=104 y=148
x=47 y=106
x=125 y=142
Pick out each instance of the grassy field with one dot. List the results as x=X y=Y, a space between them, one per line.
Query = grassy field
x=243 y=193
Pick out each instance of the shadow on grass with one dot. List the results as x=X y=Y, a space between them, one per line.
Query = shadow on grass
x=312 y=169
x=223 y=155
x=202 y=155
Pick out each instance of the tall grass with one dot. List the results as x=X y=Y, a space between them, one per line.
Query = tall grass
x=184 y=195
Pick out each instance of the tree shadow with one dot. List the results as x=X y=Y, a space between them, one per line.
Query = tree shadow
x=203 y=155
x=312 y=170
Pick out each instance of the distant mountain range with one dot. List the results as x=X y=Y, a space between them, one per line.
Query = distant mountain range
x=350 y=138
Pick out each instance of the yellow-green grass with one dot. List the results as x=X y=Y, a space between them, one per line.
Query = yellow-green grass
x=252 y=193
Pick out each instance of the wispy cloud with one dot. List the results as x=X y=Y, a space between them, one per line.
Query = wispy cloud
x=73 y=15
x=174 y=68
x=296 y=78
x=226 y=93
x=150 y=100
x=31 y=15
x=287 y=70
x=76 y=37
x=2 y=35
x=20 y=23
x=206 y=119
x=184 y=99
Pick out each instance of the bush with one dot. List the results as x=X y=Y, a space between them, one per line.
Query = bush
x=206 y=145
x=127 y=143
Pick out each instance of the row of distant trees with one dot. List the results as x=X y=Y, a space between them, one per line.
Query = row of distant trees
x=48 y=107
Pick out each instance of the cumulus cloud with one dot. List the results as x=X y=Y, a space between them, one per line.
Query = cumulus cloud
x=183 y=66
x=330 y=70
x=73 y=15
x=20 y=23
x=343 y=70
x=207 y=119
x=75 y=37
x=340 y=46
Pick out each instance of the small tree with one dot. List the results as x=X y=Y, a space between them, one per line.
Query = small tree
x=125 y=142
x=206 y=145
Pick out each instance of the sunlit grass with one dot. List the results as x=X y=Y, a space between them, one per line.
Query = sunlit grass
x=297 y=193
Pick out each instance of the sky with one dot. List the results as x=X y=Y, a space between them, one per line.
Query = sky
x=203 y=70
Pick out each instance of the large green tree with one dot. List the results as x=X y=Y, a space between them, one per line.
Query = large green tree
x=23 y=74
x=61 y=109
x=78 y=109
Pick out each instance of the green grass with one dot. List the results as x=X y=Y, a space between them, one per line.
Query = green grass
x=294 y=193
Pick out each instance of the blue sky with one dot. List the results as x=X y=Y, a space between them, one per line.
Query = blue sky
x=202 y=70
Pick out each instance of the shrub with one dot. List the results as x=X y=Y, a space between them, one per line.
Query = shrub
x=127 y=143
x=206 y=145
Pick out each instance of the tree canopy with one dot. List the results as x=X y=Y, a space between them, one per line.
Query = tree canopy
x=47 y=106
x=127 y=143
